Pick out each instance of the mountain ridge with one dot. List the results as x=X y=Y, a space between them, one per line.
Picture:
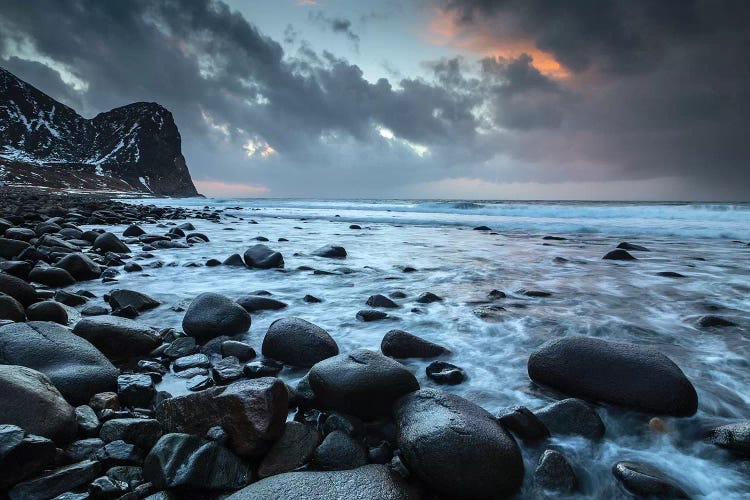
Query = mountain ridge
x=133 y=148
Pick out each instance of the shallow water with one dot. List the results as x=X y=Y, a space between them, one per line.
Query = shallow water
x=590 y=296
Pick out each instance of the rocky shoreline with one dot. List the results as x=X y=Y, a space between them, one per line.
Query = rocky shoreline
x=82 y=414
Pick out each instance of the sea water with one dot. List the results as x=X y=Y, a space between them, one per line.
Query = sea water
x=623 y=301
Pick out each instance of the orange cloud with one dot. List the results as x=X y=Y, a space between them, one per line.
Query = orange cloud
x=220 y=189
x=445 y=29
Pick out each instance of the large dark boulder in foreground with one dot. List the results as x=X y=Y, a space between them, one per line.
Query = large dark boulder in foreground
x=47 y=310
x=30 y=401
x=117 y=338
x=331 y=252
x=401 y=344
x=365 y=483
x=22 y=456
x=211 y=315
x=361 y=383
x=646 y=481
x=251 y=412
x=76 y=367
x=622 y=374
x=182 y=461
x=18 y=289
x=455 y=447
x=298 y=342
x=262 y=257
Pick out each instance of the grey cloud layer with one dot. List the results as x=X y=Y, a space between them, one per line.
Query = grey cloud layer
x=658 y=92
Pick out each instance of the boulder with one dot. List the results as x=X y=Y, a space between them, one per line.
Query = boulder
x=47 y=310
x=251 y=412
x=262 y=257
x=361 y=383
x=234 y=260
x=11 y=309
x=117 y=338
x=292 y=450
x=56 y=482
x=10 y=248
x=554 y=473
x=18 y=289
x=29 y=395
x=22 y=457
x=339 y=451
x=53 y=277
x=240 y=350
x=108 y=242
x=713 y=321
x=632 y=247
x=445 y=373
x=618 y=254
x=189 y=463
x=211 y=315
x=428 y=298
x=80 y=266
x=76 y=367
x=733 y=437
x=136 y=390
x=252 y=303
x=524 y=424
x=645 y=480
x=368 y=315
x=133 y=230
x=368 y=482
x=401 y=344
x=617 y=373
x=572 y=416
x=142 y=432
x=298 y=342
x=331 y=252
x=379 y=300
x=456 y=447
x=124 y=298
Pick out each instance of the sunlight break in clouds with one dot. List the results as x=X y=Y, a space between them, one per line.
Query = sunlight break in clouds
x=230 y=189
x=258 y=147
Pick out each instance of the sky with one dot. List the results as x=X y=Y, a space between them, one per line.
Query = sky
x=480 y=99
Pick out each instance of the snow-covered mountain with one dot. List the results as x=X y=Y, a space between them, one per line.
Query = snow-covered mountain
x=45 y=143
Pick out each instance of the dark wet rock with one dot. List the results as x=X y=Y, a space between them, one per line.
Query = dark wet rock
x=88 y=422
x=19 y=233
x=129 y=312
x=632 y=247
x=572 y=416
x=398 y=294
x=80 y=266
x=711 y=321
x=617 y=373
x=428 y=298
x=139 y=301
x=645 y=480
x=252 y=303
x=53 y=277
x=482 y=228
x=240 y=350
x=355 y=226
x=262 y=368
x=524 y=424
x=199 y=383
x=47 y=310
x=554 y=473
x=298 y=342
x=136 y=390
x=133 y=230
x=292 y=450
x=445 y=373
x=252 y=412
x=27 y=395
x=618 y=254
x=211 y=315
x=76 y=367
x=119 y=453
x=346 y=423
x=380 y=454
x=180 y=347
x=734 y=437
x=132 y=267
x=18 y=289
x=56 y=482
x=227 y=370
x=22 y=456
x=104 y=488
x=11 y=309
x=331 y=252
x=69 y=298
x=17 y=268
x=192 y=361
x=368 y=315
x=455 y=447
x=142 y=432
x=496 y=294
x=196 y=238
x=363 y=483
x=262 y=257
x=339 y=451
x=192 y=464
x=311 y=299
x=213 y=263
x=533 y=293
x=83 y=449
x=132 y=475
x=11 y=248
x=491 y=313
x=361 y=383
x=401 y=344
x=381 y=301
x=117 y=338
x=105 y=401
x=108 y=242
x=670 y=274
x=234 y=260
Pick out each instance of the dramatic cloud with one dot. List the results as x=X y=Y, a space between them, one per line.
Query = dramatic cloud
x=543 y=92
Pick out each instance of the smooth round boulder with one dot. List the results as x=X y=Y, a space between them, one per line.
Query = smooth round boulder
x=368 y=482
x=116 y=337
x=733 y=437
x=133 y=230
x=18 y=289
x=622 y=374
x=11 y=309
x=124 y=298
x=10 y=248
x=32 y=402
x=401 y=344
x=571 y=417
x=76 y=367
x=362 y=383
x=340 y=451
x=109 y=242
x=47 y=310
x=331 y=252
x=297 y=342
x=262 y=257
x=53 y=277
x=646 y=481
x=252 y=303
x=80 y=266
x=211 y=315
x=618 y=254
x=456 y=447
